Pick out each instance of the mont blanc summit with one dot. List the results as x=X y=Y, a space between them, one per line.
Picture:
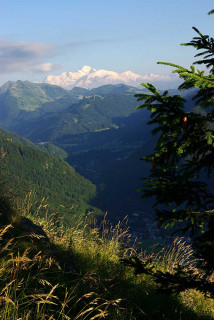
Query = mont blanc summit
x=89 y=78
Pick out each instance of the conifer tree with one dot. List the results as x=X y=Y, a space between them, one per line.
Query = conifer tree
x=183 y=159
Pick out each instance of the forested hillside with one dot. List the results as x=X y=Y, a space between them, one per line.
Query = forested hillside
x=26 y=169
x=45 y=147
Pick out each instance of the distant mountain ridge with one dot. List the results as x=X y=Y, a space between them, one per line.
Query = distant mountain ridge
x=23 y=98
x=90 y=78
x=43 y=112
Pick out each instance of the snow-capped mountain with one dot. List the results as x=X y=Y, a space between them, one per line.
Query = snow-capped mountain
x=89 y=78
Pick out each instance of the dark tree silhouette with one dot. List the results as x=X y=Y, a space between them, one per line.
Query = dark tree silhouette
x=183 y=161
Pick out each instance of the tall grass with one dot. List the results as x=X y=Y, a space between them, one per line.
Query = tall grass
x=77 y=274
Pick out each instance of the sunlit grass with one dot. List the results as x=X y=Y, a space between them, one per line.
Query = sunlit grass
x=78 y=274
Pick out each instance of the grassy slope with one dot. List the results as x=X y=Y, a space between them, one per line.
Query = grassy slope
x=78 y=274
x=30 y=96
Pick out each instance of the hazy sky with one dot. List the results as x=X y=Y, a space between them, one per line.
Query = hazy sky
x=43 y=37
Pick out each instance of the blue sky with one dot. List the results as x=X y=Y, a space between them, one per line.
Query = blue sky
x=43 y=37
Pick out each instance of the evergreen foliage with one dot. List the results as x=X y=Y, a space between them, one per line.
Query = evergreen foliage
x=183 y=154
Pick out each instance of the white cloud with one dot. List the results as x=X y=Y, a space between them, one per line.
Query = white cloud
x=44 y=67
x=25 y=56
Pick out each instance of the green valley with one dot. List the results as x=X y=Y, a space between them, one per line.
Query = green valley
x=97 y=131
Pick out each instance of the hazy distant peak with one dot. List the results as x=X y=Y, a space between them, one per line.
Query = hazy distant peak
x=88 y=77
x=131 y=75
x=7 y=85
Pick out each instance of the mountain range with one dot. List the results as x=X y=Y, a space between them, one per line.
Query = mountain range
x=97 y=131
x=43 y=112
x=89 y=78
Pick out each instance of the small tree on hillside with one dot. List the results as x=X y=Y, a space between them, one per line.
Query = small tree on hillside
x=183 y=159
